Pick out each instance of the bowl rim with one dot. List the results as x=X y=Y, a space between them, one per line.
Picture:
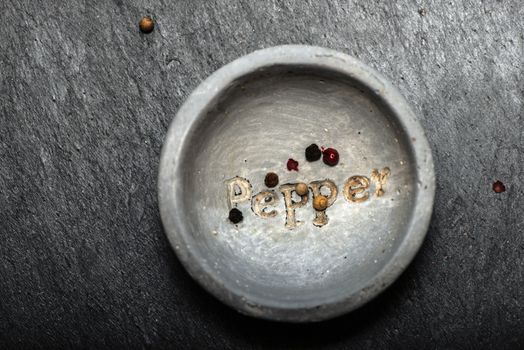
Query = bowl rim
x=193 y=110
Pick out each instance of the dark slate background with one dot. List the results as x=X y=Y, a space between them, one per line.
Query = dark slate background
x=85 y=102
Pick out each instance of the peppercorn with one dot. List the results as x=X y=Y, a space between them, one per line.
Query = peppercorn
x=146 y=25
x=320 y=203
x=292 y=164
x=313 y=153
x=499 y=187
x=271 y=180
x=235 y=216
x=330 y=157
x=301 y=189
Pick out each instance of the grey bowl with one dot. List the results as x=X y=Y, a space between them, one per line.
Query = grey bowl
x=247 y=119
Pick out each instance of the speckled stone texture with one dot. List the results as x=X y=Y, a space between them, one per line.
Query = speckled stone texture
x=85 y=101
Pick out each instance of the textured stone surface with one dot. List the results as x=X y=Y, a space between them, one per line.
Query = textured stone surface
x=85 y=101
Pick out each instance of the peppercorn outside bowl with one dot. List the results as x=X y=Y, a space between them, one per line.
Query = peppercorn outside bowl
x=270 y=252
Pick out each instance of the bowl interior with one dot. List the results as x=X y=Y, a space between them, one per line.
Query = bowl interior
x=253 y=127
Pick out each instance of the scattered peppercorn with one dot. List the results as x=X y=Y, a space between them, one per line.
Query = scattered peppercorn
x=292 y=164
x=330 y=157
x=320 y=202
x=313 y=153
x=235 y=216
x=271 y=180
x=498 y=187
x=301 y=189
x=146 y=25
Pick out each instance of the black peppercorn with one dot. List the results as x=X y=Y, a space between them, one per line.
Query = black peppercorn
x=313 y=153
x=235 y=216
x=271 y=180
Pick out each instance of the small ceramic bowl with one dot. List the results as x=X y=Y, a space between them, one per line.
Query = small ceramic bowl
x=287 y=260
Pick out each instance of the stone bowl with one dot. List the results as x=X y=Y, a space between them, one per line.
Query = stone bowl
x=286 y=260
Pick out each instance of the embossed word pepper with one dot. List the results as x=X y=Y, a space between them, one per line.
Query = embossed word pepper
x=356 y=189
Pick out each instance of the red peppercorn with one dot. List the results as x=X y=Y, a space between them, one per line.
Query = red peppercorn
x=330 y=156
x=292 y=164
x=498 y=187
